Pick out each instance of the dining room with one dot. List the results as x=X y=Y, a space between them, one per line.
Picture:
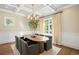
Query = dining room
x=39 y=29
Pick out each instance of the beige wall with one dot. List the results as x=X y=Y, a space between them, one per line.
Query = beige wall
x=70 y=27
x=70 y=19
x=19 y=24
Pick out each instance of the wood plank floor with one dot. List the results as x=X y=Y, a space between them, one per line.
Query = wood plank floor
x=5 y=49
x=67 y=51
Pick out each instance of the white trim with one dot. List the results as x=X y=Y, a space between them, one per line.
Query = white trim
x=49 y=19
x=70 y=39
x=7 y=36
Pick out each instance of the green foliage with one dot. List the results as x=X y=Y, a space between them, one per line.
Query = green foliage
x=8 y=21
x=33 y=24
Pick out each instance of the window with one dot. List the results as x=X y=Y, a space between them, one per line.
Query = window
x=48 y=26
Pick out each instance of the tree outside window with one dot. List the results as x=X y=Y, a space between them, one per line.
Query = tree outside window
x=48 y=26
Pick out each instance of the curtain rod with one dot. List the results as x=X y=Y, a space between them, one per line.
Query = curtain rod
x=52 y=14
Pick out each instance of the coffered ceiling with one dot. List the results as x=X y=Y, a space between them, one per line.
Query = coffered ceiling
x=26 y=9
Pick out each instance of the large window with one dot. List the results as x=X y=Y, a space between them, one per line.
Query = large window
x=48 y=26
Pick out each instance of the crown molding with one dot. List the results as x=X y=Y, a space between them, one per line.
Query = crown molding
x=12 y=12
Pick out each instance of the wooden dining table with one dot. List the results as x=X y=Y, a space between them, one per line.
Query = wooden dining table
x=40 y=39
x=37 y=38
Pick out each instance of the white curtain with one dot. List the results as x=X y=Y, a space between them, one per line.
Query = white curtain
x=57 y=28
x=41 y=26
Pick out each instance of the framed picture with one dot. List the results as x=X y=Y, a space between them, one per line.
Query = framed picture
x=8 y=21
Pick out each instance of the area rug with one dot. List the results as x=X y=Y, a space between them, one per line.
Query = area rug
x=14 y=49
x=54 y=51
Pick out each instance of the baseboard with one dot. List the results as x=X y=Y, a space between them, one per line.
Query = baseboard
x=65 y=46
x=7 y=43
x=70 y=46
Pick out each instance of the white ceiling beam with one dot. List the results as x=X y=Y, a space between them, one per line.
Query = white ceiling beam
x=38 y=13
x=30 y=10
x=12 y=5
x=26 y=9
x=18 y=8
x=54 y=8
x=40 y=9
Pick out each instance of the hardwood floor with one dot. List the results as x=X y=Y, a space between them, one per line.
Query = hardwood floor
x=5 y=49
x=67 y=51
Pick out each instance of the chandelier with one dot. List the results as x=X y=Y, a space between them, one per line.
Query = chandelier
x=33 y=16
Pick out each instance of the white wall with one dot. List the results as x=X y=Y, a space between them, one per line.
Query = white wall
x=6 y=37
x=70 y=27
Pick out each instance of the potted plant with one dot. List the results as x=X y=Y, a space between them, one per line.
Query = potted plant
x=33 y=26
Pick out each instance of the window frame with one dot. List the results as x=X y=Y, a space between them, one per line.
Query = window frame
x=49 y=24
